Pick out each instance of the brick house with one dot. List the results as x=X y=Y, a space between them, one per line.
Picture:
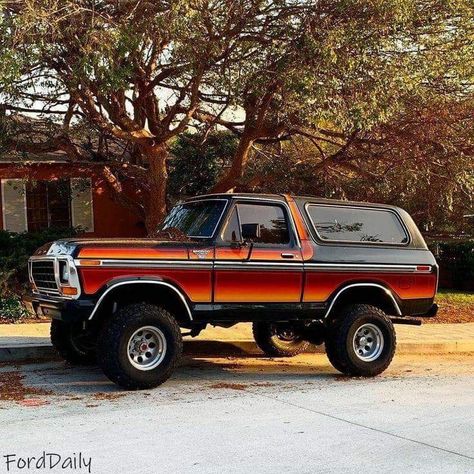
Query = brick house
x=39 y=192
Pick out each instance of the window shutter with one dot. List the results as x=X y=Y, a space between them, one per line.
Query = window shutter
x=14 y=205
x=81 y=204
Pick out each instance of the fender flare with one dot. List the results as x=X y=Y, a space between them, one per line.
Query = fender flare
x=142 y=281
x=376 y=285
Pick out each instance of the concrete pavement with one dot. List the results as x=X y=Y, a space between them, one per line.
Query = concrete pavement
x=26 y=341
x=240 y=415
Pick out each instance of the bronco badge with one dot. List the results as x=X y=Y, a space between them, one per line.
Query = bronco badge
x=201 y=253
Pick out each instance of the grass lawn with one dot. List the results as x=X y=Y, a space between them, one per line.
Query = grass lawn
x=454 y=307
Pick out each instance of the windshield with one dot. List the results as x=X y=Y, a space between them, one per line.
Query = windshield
x=195 y=219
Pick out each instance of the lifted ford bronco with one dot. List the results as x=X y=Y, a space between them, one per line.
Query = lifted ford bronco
x=301 y=269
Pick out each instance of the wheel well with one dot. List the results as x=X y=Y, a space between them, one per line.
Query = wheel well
x=163 y=295
x=375 y=295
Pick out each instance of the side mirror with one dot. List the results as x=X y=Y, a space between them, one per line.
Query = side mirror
x=250 y=232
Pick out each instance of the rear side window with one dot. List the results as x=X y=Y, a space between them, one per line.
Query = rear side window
x=356 y=225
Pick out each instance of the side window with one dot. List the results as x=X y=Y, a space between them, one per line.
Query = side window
x=232 y=229
x=267 y=224
x=349 y=224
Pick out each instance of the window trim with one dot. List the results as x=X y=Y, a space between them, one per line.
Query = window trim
x=357 y=242
x=182 y=203
x=226 y=222
x=292 y=233
x=48 y=208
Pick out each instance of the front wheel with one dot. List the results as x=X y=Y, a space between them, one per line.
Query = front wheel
x=140 y=346
x=362 y=342
x=278 y=339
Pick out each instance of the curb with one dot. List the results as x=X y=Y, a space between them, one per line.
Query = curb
x=25 y=352
x=210 y=348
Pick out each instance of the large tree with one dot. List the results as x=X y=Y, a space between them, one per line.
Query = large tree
x=422 y=160
x=143 y=72
x=349 y=68
x=134 y=70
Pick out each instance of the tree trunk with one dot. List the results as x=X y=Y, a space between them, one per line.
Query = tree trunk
x=157 y=180
x=231 y=179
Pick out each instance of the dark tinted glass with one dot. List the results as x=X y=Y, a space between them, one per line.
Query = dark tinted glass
x=357 y=224
x=271 y=222
x=48 y=204
x=195 y=219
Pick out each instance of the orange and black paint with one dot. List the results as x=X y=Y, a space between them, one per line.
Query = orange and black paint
x=296 y=280
x=299 y=278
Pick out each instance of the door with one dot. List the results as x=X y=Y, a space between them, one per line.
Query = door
x=258 y=258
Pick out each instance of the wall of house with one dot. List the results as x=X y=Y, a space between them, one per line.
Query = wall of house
x=111 y=219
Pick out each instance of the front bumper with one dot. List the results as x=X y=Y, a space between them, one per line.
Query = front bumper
x=58 y=308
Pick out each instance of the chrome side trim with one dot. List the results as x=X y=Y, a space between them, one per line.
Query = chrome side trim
x=208 y=265
x=130 y=263
x=365 y=267
x=386 y=290
x=249 y=266
x=154 y=282
x=257 y=263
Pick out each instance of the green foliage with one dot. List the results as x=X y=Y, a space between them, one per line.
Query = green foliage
x=15 y=250
x=197 y=163
x=11 y=309
x=456 y=261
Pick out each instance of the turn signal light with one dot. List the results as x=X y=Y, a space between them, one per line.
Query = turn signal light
x=69 y=290
x=89 y=263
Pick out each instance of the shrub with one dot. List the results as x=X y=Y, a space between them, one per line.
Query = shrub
x=456 y=261
x=11 y=309
x=15 y=249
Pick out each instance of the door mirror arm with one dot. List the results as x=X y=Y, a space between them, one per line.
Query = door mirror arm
x=238 y=244
x=250 y=245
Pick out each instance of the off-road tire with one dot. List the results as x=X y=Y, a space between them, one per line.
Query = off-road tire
x=269 y=342
x=114 y=338
x=330 y=345
x=71 y=344
x=340 y=347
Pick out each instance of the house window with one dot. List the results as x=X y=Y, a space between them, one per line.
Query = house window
x=32 y=206
x=48 y=204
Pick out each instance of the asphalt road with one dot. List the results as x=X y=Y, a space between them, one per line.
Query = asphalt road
x=240 y=415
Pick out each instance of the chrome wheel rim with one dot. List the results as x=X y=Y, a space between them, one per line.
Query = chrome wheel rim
x=146 y=348
x=368 y=342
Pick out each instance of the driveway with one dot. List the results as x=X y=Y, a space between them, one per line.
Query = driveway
x=243 y=415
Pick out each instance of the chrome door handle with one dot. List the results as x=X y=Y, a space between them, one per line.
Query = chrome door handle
x=288 y=255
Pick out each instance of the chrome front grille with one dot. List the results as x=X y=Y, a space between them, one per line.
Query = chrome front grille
x=43 y=276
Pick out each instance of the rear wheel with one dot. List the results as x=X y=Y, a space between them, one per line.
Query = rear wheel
x=278 y=339
x=362 y=342
x=73 y=343
x=140 y=346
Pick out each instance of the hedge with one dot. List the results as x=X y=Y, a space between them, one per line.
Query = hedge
x=456 y=262
x=15 y=249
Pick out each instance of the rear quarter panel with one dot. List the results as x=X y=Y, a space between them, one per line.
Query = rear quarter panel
x=409 y=283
